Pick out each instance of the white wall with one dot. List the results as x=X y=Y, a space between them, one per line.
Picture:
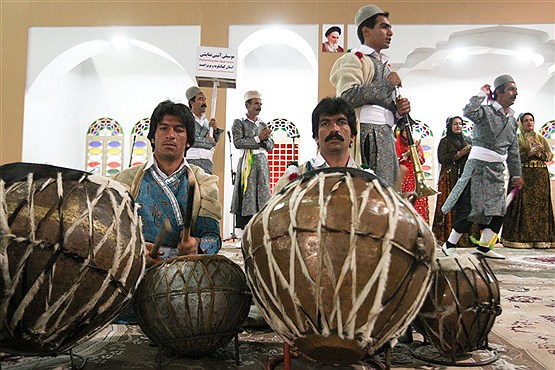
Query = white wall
x=281 y=63
x=77 y=74
x=91 y=78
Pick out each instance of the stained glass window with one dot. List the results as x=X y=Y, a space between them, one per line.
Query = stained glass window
x=104 y=147
x=286 y=148
x=548 y=132
x=140 y=145
x=427 y=142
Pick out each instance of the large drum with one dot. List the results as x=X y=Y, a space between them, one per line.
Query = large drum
x=339 y=265
x=461 y=306
x=193 y=305
x=71 y=256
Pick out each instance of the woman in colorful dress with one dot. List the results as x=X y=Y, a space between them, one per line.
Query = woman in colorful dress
x=529 y=219
x=452 y=154
x=406 y=168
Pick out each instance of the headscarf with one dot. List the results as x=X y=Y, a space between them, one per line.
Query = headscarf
x=459 y=140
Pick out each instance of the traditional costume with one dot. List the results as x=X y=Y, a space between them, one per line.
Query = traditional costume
x=359 y=77
x=201 y=152
x=479 y=194
x=450 y=171
x=161 y=196
x=409 y=181
x=493 y=142
x=529 y=222
x=252 y=188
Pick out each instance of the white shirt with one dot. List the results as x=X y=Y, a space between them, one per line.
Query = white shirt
x=152 y=163
x=319 y=162
x=497 y=106
x=376 y=114
x=201 y=153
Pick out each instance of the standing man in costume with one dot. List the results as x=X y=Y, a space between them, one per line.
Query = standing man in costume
x=364 y=79
x=207 y=132
x=334 y=130
x=479 y=195
x=253 y=138
x=161 y=188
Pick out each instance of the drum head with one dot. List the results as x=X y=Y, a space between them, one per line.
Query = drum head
x=14 y=172
x=355 y=172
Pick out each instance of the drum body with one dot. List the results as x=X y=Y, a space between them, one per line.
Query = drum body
x=338 y=264
x=461 y=306
x=193 y=305
x=71 y=256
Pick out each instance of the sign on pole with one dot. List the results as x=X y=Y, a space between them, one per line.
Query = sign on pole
x=216 y=65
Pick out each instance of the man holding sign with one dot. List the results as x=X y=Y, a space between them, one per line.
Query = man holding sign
x=207 y=132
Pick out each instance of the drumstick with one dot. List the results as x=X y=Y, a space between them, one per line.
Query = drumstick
x=166 y=228
x=188 y=215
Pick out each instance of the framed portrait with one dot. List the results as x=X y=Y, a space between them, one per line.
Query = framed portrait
x=332 y=38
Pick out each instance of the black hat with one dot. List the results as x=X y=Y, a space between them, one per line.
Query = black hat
x=333 y=29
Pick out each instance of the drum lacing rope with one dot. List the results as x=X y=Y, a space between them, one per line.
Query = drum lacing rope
x=380 y=275
x=40 y=325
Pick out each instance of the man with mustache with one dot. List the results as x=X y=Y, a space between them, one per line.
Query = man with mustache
x=479 y=194
x=161 y=188
x=334 y=130
x=364 y=79
x=207 y=132
x=253 y=138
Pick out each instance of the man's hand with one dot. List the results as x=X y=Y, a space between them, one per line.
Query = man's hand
x=149 y=260
x=518 y=182
x=394 y=79
x=188 y=245
x=265 y=134
x=487 y=89
x=403 y=106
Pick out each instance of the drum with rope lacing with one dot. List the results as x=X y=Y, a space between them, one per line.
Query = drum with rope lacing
x=338 y=264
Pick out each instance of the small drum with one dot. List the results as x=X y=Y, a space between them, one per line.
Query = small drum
x=71 y=256
x=339 y=265
x=461 y=306
x=192 y=305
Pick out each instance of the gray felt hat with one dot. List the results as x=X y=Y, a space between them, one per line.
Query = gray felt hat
x=192 y=92
x=502 y=80
x=366 y=12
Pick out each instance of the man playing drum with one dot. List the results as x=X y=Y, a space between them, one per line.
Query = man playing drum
x=334 y=129
x=161 y=188
x=479 y=195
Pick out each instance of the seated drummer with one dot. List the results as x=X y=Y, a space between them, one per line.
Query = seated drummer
x=334 y=129
x=160 y=187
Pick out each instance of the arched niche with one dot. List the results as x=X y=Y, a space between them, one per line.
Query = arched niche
x=77 y=74
x=281 y=63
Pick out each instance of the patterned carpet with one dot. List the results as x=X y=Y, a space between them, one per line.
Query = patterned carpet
x=524 y=334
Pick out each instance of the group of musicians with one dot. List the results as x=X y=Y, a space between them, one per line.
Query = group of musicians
x=366 y=88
